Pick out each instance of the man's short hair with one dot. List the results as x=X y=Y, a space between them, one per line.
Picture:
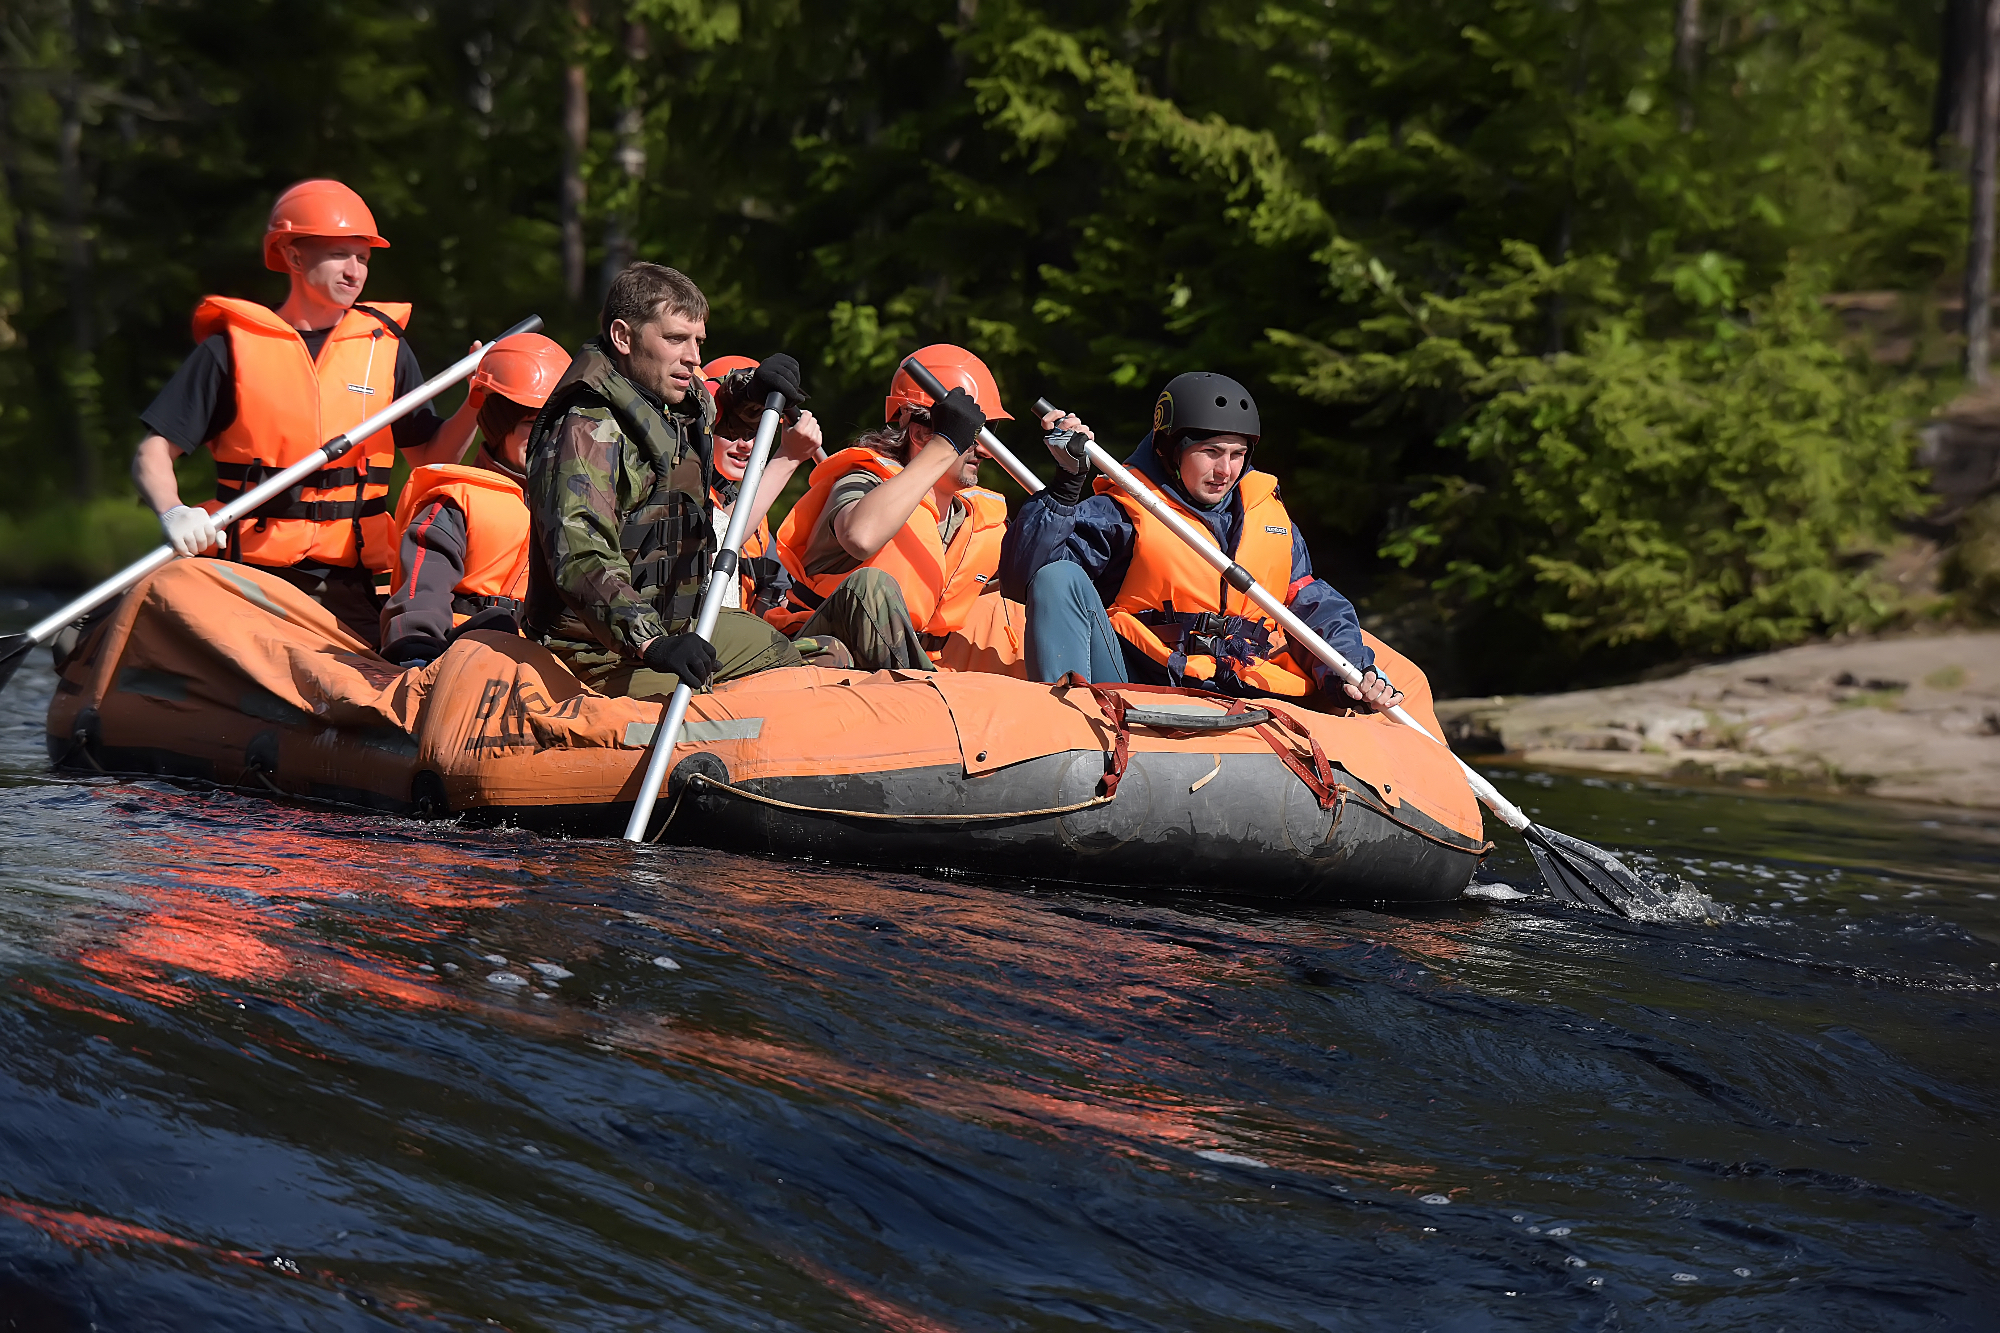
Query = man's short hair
x=647 y=291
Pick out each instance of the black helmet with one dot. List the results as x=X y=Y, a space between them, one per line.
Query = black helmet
x=1203 y=402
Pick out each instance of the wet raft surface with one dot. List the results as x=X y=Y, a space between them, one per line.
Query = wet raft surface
x=266 y=1068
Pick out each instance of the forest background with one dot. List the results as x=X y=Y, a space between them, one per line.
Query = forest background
x=1530 y=291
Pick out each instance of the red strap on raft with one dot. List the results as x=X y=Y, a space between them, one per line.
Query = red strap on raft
x=1318 y=777
x=1114 y=705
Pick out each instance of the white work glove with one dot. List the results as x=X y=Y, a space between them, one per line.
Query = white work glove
x=190 y=531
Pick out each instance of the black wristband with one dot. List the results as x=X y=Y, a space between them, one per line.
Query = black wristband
x=1068 y=487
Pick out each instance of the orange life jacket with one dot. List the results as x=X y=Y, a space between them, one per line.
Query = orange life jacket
x=496 y=534
x=757 y=564
x=288 y=405
x=1174 y=607
x=993 y=638
x=939 y=581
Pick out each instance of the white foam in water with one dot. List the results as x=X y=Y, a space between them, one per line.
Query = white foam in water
x=552 y=971
x=1686 y=1277
x=1228 y=1158
x=497 y=959
x=1740 y=1272
x=1435 y=1199
x=667 y=963
x=1496 y=893
x=506 y=979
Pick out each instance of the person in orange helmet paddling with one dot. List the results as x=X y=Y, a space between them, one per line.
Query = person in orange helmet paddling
x=462 y=530
x=898 y=523
x=763 y=580
x=265 y=387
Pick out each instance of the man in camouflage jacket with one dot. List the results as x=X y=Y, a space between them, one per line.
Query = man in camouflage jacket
x=619 y=469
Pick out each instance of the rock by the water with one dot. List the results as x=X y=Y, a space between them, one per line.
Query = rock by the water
x=1906 y=718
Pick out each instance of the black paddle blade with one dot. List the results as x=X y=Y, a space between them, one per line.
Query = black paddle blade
x=1587 y=876
x=14 y=650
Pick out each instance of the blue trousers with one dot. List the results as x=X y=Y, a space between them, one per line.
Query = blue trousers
x=1068 y=630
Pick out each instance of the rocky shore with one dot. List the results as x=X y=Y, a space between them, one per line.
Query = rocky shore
x=1913 y=719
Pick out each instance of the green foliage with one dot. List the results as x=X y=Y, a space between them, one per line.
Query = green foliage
x=69 y=544
x=1450 y=243
x=1709 y=489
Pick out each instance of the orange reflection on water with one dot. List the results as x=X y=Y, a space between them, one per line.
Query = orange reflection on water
x=89 y=1231
x=246 y=915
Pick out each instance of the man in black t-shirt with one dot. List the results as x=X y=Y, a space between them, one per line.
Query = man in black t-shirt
x=265 y=388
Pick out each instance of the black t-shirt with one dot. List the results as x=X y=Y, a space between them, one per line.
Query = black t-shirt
x=199 y=402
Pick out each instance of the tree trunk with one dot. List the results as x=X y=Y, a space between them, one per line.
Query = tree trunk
x=622 y=221
x=1960 y=73
x=17 y=202
x=576 y=139
x=1687 y=46
x=80 y=374
x=1979 y=252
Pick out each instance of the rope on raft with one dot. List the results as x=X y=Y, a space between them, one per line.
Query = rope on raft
x=892 y=816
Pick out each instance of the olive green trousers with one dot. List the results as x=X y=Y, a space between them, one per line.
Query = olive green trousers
x=744 y=645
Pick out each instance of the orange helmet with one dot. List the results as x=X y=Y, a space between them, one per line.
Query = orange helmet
x=317 y=208
x=955 y=368
x=722 y=365
x=522 y=369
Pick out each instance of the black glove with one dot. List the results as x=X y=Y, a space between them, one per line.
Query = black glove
x=1067 y=448
x=414 y=650
x=736 y=412
x=958 y=419
x=687 y=656
x=777 y=373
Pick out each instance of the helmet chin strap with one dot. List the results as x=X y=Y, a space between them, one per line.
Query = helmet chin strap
x=491 y=461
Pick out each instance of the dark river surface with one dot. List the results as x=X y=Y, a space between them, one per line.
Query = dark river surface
x=267 y=1067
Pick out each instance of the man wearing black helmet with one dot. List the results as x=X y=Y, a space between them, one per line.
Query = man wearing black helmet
x=1114 y=595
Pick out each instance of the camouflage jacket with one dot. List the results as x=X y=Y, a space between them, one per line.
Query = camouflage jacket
x=618 y=490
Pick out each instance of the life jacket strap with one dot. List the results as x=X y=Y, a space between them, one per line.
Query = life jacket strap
x=807 y=599
x=1207 y=634
x=469 y=604
x=289 y=506
x=232 y=479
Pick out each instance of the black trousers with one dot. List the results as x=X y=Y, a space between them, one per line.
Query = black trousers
x=348 y=593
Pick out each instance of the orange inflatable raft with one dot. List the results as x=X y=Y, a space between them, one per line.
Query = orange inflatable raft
x=215 y=672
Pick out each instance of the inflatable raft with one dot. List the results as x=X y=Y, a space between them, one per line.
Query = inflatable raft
x=215 y=672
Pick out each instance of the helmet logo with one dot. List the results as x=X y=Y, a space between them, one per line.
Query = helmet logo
x=1163 y=412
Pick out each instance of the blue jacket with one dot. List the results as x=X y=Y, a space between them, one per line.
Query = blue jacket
x=1097 y=535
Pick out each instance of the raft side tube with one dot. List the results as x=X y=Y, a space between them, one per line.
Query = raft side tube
x=1249 y=830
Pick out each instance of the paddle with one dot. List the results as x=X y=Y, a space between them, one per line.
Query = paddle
x=1575 y=871
x=666 y=734
x=14 y=647
x=1016 y=469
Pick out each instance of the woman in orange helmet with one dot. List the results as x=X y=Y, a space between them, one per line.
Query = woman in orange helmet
x=895 y=541
x=462 y=531
x=265 y=387
x=764 y=580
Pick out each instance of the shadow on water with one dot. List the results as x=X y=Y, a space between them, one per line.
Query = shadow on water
x=268 y=1068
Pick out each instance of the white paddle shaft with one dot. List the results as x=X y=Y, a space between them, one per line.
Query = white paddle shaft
x=1295 y=629
x=243 y=505
x=667 y=734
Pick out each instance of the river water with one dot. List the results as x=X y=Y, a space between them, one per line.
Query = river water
x=269 y=1068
